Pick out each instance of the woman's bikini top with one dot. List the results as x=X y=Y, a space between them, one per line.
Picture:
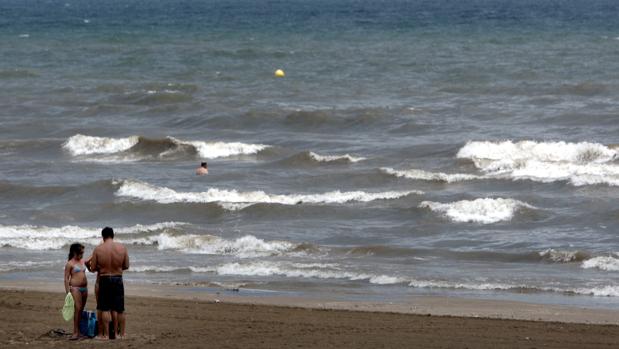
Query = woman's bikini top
x=77 y=268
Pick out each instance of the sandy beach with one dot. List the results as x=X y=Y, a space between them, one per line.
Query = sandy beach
x=166 y=318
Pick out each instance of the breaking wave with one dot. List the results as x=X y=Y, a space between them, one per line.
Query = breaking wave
x=244 y=247
x=606 y=263
x=233 y=199
x=483 y=210
x=335 y=158
x=308 y=158
x=578 y=163
x=559 y=256
x=430 y=176
x=136 y=148
x=301 y=270
x=86 y=145
x=52 y=238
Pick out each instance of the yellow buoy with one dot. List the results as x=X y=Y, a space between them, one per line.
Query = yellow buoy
x=279 y=73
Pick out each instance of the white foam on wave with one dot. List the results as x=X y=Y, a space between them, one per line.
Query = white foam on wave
x=600 y=291
x=483 y=210
x=581 y=163
x=50 y=238
x=168 y=269
x=222 y=149
x=334 y=158
x=560 y=256
x=87 y=145
x=335 y=271
x=300 y=270
x=145 y=191
x=482 y=286
x=79 y=145
x=606 y=263
x=430 y=176
x=247 y=246
x=26 y=265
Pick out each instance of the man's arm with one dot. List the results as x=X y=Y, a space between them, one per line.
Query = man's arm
x=91 y=264
x=87 y=263
x=126 y=260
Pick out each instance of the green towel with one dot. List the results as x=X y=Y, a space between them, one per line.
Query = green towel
x=69 y=307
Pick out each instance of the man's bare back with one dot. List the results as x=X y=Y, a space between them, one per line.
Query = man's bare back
x=110 y=258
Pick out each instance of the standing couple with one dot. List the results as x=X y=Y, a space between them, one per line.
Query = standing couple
x=108 y=260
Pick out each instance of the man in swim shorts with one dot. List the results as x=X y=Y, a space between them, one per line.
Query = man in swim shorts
x=109 y=260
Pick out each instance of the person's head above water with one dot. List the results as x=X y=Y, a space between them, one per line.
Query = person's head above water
x=203 y=164
x=107 y=233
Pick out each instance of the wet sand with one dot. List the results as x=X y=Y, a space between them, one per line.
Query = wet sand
x=165 y=320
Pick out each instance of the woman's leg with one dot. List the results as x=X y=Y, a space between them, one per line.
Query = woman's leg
x=77 y=299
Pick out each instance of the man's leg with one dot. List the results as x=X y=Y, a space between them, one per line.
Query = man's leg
x=99 y=323
x=105 y=320
x=121 y=324
x=115 y=323
x=99 y=312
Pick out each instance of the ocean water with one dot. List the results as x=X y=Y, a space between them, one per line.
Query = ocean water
x=445 y=147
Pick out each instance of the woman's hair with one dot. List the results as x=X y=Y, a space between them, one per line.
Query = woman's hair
x=76 y=249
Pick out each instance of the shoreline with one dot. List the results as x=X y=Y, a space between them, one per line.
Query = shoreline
x=414 y=305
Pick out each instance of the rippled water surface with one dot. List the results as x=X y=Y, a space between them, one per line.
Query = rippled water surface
x=451 y=147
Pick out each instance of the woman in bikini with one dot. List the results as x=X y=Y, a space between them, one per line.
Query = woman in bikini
x=75 y=282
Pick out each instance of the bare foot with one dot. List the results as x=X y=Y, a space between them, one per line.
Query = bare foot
x=74 y=338
x=101 y=338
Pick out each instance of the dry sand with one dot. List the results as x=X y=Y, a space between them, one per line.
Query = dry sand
x=240 y=322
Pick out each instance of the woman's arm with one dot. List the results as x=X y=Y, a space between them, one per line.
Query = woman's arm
x=67 y=277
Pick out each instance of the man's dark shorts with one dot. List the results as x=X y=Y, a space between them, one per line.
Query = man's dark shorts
x=111 y=294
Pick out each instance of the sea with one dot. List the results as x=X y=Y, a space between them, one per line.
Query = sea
x=464 y=148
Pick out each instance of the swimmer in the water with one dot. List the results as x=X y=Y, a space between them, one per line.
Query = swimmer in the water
x=202 y=170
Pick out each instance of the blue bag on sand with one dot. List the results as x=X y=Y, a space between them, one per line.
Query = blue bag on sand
x=88 y=323
x=92 y=325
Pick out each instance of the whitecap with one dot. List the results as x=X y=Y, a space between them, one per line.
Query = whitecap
x=481 y=286
x=581 y=163
x=606 y=263
x=297 y=270
x=145 y=191
x=222 y=149
x=335 y=158
x=82 y=145
x=599 y=291
x=430 y=176
x=560 y=256
x=87 y=145
x=247 y=246
x=483 y=210
x=49 y=238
